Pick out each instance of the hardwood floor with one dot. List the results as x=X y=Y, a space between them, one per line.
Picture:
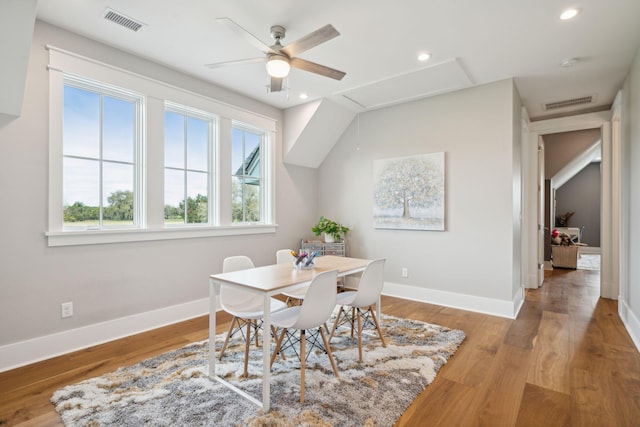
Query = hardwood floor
x=565 y=361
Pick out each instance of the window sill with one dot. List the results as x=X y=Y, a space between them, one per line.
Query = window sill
x=97 y=237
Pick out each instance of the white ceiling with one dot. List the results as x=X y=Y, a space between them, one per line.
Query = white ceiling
x=472 y=42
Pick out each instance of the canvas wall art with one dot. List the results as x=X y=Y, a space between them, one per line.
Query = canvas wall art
x=409 y=192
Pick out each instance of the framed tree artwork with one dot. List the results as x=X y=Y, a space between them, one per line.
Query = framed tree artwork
x=409 y=192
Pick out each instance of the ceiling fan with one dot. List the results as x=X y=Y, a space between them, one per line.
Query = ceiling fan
x=280 y=58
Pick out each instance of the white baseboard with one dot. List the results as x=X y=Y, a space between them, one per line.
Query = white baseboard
x=34 y=350
x=37 y=349
x=630 y=321
x=532 y=281
x=495 y=307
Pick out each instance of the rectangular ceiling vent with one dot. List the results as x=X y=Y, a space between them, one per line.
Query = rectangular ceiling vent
x=569 y=103
x=122 y=20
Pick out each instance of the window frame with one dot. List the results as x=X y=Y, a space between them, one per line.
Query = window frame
x=63 y=63
x=138 y=149
x=264 y=169
x=212 y=170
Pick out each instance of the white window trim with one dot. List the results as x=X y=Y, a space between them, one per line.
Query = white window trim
x=62 y=62
x=212 y=183
x=267 y=167
x=139 y=149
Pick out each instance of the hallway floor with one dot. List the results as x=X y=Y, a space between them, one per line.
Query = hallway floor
x=589 y=262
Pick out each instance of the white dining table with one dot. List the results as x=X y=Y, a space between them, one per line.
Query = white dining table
x=268 y=281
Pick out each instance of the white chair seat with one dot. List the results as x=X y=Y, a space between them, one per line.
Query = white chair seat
x=252 y=309
x=286 y=318
x=346 y=298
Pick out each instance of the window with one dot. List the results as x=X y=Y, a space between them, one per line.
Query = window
x=187 y=144
x=100 y=161
x=246 y=182
x=135 y=159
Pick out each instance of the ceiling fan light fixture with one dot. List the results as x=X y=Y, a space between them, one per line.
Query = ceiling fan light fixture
x=278 y=66
x=424 y=56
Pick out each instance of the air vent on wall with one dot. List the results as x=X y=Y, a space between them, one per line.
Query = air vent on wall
x=122 y=20
x=569 y=103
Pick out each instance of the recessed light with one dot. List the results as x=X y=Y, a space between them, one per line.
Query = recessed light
x=424 y=56
x=304 y=96
x=569 y=14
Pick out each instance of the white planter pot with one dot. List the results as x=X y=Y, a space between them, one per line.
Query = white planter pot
x=328 y=238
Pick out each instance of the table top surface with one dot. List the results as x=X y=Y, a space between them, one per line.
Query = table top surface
x=278 y=276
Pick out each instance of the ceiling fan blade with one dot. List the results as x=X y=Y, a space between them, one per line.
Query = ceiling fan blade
x=276 y=84
x=312 y=39
x=312 y=67
x=246 y=34
x=240 y=61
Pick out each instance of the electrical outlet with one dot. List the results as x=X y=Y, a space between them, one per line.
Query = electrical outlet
x=405 y=272
x=66 y=309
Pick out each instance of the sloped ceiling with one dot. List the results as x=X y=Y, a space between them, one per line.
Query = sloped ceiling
x=17 y=19
x=581 y=161
x=311 y=131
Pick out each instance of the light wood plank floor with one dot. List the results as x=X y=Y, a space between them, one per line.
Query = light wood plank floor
x=565 y=361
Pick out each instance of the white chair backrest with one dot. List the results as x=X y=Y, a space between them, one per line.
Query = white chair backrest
x=319 y=301
x=229 y=294
x=284 y=256
x=235 y=263
x=370 y=285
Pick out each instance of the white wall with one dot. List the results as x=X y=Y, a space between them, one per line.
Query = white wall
x=108 y=282
x=629 y=300
x=473 y=264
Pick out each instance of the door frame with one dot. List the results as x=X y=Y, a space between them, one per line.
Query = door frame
x=609 y=286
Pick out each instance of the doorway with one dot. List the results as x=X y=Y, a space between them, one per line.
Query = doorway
x=573 y=190
x=599 y=120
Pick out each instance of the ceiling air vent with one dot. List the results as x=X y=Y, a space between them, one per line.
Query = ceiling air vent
x=122 y=20
x=569 y=103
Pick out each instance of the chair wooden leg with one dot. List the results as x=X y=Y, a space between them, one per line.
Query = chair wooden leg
x=256 y=331
x=278 y=345
x=353 y=313
x=246 y=349
x=303 y=355
x=373 y=315
x=331 y=359
x=335 y=325
x=359 y=334
x=274 y=331
x=226 y=340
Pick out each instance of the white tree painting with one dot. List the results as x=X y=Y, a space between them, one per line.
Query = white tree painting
x=409 y=192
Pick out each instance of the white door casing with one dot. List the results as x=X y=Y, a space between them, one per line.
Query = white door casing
x=601 y=120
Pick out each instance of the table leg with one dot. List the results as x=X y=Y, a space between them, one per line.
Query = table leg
x=213 y=300
x=266 y=354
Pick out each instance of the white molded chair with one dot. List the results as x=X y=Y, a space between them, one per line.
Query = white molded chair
x=246 y=307
x=362 y=301
x=314 y=311
x=296 y=294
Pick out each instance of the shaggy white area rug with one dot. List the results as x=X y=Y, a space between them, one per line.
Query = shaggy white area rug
x=173 y=389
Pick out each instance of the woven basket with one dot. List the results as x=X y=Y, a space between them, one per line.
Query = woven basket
x=564 y=256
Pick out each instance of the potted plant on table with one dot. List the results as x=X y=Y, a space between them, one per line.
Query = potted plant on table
x=332 y=230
